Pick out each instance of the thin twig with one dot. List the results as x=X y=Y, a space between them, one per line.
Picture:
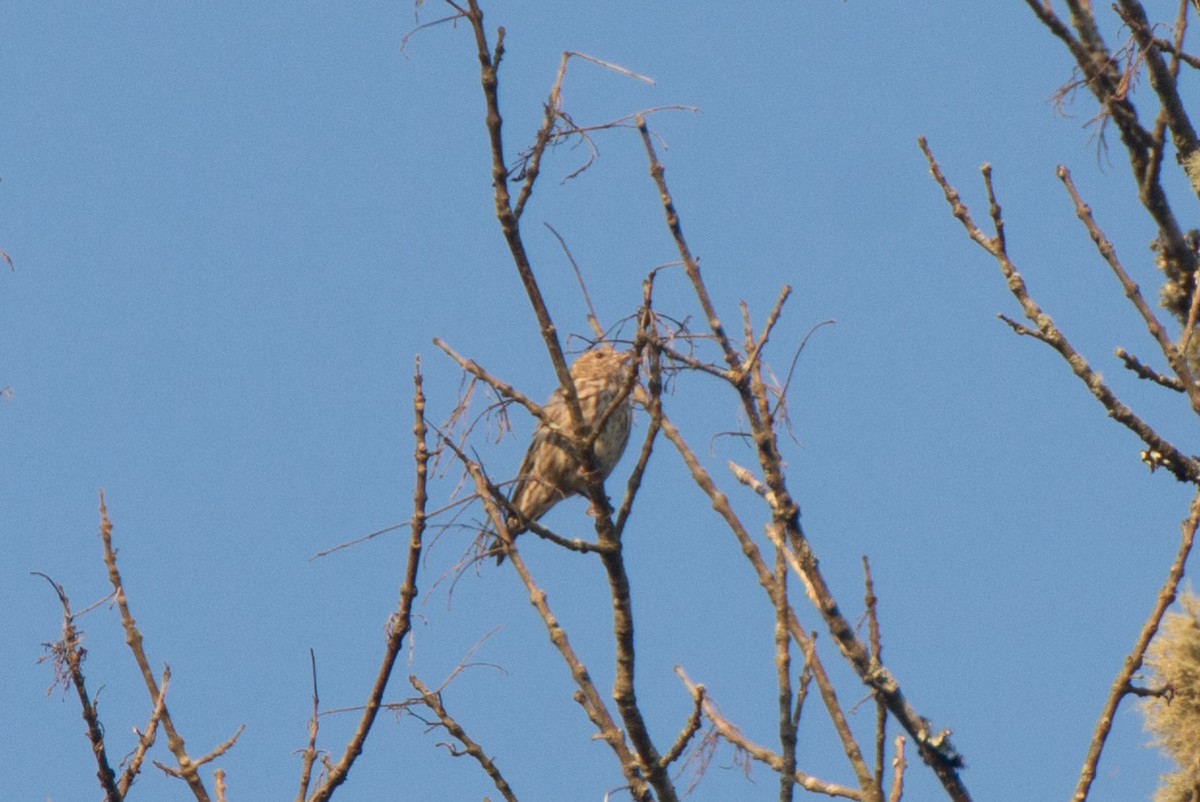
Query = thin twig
x=783 y=680
x=760 y=753
x=1144 y=371
x=650 y=399
x=689 y=730
x=1121 y=685
x=592 y=319
x=433 y=700
x=146 y=739
x=772 y=319
x=691 y=264
x=1104 y=246
x=400 y=622
x=68 y=654
x=898 y=766
x=314 y=725
x=871 y=603
x=504 y=389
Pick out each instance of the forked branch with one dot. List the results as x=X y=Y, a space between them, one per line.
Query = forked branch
x=400 y=622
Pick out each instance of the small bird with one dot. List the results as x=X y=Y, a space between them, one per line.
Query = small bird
x=549 y=473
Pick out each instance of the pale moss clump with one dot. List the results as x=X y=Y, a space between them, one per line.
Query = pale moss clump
x=1174 y=717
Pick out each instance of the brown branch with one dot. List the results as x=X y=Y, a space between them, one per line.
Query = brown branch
x=588 y=696
x=217 y=752
x=433 y=700
x=1157 y=331
x=1144 y=371
x=489 y=63
x=401 y=621
x=760 y=753
x=871 y=603
x=1024 y=331
x=651 y=400
x=695 y=364
x=1186 y=58
x=936 y=750
x=1161 y=121
x=689 y=730
x=772 y=319
x=592 y=319
x=898 y=766
x=1110 y=88
x=1163 y=81
x=1133 y=661
x=806 y=678
x=68 y=655
x=783 y=679
x=133 y=638
x=309 y=755
x=1184 y=468
x=766 y=579
x=504 y=389
x=691 y=264
x=146 y=740
x=1189 y=327
x=624 y=691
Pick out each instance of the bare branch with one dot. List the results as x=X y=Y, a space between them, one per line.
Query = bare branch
x=133 y=637
x=489 y=63
x=766 y=579
x=1144 y=371
x=504 y=389
x=760 y=753
x=309 y=755
x=433 y=700
x=783 y=679
x=1184 y=468
x=871 y=603
x=691 y=264
x=689 y=730
x=588 y=696
x=1122 y=684
x=68 y=654
x=1174 y=357
x=146 y=740
x=593 y=321
x=1102 y=76
x=401 y=621
x=898 y=766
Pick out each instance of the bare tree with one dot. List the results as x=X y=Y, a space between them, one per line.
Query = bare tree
x=734 y=362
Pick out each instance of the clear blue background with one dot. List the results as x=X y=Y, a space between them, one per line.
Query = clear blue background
x=235 y=227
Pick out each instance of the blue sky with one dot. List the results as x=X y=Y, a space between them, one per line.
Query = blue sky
x=235 y=228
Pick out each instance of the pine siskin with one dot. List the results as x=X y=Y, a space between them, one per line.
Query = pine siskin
x=549 y=473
